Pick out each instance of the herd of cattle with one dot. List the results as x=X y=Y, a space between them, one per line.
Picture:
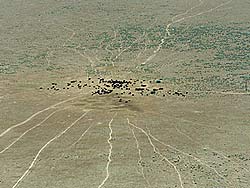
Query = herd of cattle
x=119 y=88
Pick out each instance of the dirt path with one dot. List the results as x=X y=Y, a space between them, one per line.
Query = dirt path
x=139 y=154
x=227 y=182
x=156 y=150
x=110 y=153
x=35 y=114
x=173 y=21
x=44 y=147
x=27 y=131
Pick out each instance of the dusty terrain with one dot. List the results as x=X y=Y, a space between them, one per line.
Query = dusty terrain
x=56 y=132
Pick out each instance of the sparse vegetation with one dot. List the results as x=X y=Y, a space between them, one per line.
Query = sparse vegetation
x=125 y=94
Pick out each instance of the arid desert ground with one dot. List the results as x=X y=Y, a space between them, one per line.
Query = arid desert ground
x=125 y=94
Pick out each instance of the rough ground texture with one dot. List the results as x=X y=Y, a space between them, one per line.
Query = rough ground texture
x=194 y=133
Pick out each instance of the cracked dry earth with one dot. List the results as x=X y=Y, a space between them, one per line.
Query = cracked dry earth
x=183 y=143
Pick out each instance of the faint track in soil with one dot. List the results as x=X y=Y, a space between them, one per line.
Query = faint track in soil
x=27 y=131
x=40 y=151
x=110 y=152
x=139 y=154
x=156 y=150
x=192 y=156
x=180 y=20
x=34 y=115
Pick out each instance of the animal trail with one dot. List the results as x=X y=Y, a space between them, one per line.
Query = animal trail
x=40 y=151
x=37 y=125
x=157 y=151
x=34 y=115
x=140 y=157
x=110 y=153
